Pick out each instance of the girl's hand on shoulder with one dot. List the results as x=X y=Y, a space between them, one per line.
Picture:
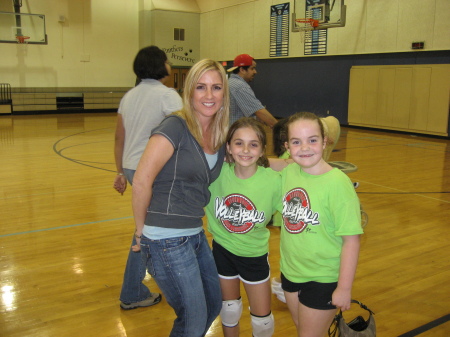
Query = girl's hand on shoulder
x=278 y=164
x=341 y=298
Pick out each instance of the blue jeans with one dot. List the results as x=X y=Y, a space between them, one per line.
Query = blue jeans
x=185 y=271
x=133 y=290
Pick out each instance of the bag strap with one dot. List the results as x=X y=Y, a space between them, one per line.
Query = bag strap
x=333 y=329
x=362 y=306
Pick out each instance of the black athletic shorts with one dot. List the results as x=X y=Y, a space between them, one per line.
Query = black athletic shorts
x=312 y=294
x=252 y=270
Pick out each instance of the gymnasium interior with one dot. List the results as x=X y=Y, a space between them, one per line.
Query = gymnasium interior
x=382 y=68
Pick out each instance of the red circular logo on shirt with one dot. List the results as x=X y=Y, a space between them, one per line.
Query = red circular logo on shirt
x=237 y=220
x=296 y=203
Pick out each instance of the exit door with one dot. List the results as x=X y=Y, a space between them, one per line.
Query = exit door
x=177 y=78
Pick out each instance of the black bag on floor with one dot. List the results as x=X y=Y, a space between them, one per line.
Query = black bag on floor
x=358 y=327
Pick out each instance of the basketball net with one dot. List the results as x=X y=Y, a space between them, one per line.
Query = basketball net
x=305 y=32
x=305 y=27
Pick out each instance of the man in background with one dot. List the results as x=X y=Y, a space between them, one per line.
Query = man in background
x=243 y=102
x=140 y=111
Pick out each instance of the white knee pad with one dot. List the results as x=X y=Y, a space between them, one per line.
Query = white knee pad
x=231 y=312
x=263 y=326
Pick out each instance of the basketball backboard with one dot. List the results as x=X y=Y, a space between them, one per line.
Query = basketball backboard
x=14 y=25
x=329 y=13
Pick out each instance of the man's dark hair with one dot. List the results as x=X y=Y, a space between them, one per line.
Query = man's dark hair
x=236 y=71
x=150 y=63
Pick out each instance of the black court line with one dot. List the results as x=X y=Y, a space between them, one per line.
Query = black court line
x=78 y=161
x=426 y=327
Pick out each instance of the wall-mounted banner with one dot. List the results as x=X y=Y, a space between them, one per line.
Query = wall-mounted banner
x=316 y=40
x=279 y=30
x=179 y=53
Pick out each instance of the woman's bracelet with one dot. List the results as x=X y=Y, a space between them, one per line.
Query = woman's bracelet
x=137 y=236
x=120 y=174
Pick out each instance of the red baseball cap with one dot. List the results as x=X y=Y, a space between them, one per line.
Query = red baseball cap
x=241 y=60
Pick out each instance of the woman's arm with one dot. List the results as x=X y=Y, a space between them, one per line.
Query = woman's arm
x=120 y=182
x=349 y=260
x=156 y=154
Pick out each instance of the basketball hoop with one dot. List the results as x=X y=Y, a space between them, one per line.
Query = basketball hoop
x=306 y=25
x=22 y=39
x=307 y=21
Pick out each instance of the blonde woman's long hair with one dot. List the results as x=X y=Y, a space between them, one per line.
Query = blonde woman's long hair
x=219 y=125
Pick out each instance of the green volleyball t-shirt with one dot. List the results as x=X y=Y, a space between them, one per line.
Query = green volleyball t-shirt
x=317 y=211
x=239 y=210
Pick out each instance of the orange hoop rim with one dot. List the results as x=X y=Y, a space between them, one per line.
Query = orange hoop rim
x=312 y=22
x=22 y=39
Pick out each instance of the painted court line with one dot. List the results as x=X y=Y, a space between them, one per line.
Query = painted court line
x=400 y=192
x=426 y=327
x=61 y=227
x=77 y=161
x=57 y=192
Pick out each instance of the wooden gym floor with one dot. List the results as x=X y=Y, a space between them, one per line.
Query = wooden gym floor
x=65 y=232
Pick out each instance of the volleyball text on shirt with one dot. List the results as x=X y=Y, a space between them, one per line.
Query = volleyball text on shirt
x=237 y=213
x=297 y=213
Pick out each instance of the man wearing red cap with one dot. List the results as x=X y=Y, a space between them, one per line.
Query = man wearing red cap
x=243 y=102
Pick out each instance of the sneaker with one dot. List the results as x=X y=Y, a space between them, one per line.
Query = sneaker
x=276 y=289
x=154 y=298
x=355 y=185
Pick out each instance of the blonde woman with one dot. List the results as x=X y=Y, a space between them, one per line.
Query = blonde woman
x=170 y=189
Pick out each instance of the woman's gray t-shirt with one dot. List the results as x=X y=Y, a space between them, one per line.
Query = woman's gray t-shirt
x=180 y=191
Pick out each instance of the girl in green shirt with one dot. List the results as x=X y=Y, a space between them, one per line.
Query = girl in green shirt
x=243 y=199
x=320 y=232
